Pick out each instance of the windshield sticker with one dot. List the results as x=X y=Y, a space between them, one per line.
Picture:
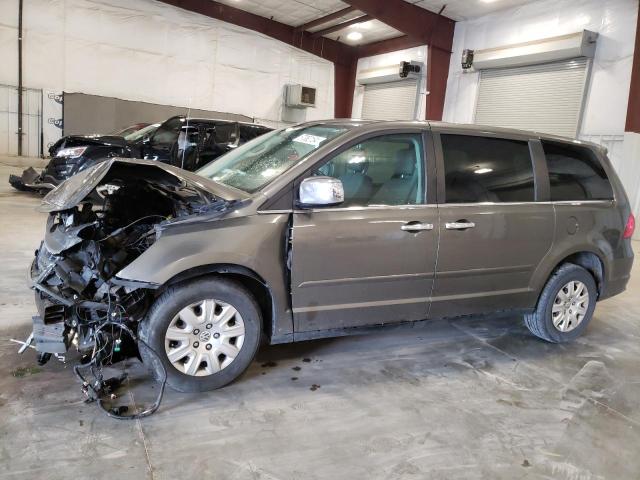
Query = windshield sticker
x=309 y=139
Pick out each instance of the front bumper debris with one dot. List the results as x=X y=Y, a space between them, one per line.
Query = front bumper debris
x=31 y=181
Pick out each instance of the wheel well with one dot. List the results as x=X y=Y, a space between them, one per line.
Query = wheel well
x=590 y=262
x=247 y=278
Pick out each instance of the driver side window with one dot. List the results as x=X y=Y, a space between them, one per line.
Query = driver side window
x=385 y=170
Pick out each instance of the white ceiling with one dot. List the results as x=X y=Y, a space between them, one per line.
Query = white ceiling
x=466 y=9
x=298 y=12
x=291 y=12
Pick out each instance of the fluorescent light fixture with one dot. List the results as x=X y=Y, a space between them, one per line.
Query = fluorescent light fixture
x=354 y=36
x=480 y=171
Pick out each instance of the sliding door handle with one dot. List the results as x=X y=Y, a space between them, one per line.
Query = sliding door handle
x=416 y=226
x=459 y=225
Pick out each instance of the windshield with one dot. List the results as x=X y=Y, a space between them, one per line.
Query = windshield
x=148 y=130
x=256 y=163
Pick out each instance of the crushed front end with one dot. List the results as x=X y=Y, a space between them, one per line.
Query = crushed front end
x=99 y=222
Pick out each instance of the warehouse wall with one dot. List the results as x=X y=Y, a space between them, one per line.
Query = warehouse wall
x=148 y=51
x=607 y=94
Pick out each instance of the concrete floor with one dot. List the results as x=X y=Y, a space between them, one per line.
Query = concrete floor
x=473 y=398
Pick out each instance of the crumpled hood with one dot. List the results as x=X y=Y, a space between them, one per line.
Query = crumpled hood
x=75 y=189
x=108 y=140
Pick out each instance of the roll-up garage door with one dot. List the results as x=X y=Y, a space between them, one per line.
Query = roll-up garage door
x=546 y=98
x=390 y=100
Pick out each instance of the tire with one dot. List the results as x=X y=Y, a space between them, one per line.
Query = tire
x=541 y=321
x=216 y=369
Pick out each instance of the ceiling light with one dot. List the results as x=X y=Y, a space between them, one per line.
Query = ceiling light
x=480 y=171
x=354 y=36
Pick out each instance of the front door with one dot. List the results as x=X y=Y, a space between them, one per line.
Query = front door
x=163 y=144
x=371 y=260
x=493 y=234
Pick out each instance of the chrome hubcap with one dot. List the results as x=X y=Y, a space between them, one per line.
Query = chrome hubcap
x=204 y=337
x=570 y=306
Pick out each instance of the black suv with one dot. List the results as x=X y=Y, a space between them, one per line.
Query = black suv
x=187 y=143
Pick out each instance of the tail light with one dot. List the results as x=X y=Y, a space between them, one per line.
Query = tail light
x=629 y=227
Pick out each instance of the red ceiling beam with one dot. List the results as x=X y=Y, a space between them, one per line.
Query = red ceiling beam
x=323 y=47
x=340 y=26
x=326 y=19
x=633 y=109
x=427 y=27
x=389 y=45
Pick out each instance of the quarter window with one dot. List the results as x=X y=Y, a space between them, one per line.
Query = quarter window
x=575 y=173
x=481 y=169
x=385 y=170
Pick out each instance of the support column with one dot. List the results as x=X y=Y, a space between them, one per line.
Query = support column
x=633 y=109
x=437 y=74
x=344 y=83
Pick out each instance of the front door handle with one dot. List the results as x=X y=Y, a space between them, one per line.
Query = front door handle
x=459 y=225
x=416 y=226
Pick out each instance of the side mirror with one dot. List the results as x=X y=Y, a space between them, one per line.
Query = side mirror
x=321 y=192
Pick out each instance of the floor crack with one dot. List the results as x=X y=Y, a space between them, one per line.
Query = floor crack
x=143 y=438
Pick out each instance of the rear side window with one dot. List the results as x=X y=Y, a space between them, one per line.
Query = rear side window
x=481 y=169
x=575 y=173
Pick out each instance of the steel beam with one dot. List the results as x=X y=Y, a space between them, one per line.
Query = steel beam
x=326 y=48
x=326 y=19
x=340 y=26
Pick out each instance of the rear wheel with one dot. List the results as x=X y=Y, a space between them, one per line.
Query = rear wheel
x=565 y=306
x=206 y=333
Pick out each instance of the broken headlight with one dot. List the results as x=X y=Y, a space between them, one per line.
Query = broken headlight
x=72 y=152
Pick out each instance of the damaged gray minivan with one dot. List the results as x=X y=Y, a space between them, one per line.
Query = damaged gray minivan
x=323 y=229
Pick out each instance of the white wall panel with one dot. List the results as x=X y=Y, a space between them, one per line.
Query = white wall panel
x=149 y=51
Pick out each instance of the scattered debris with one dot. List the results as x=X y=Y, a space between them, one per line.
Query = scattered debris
x=526 y=463
x=306 y=360
x=294 y=379
x=296 y=368
x=269 y=364
x=314 y=387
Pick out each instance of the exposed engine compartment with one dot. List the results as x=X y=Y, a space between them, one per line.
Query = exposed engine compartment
x=120 y=212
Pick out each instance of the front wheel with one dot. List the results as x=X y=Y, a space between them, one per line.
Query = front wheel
x=565 y=306
x=206 y=333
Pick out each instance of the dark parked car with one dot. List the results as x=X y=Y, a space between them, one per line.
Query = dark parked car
x=80 y=140
x=67 y=157
x=185 y=142
x=325 y=229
